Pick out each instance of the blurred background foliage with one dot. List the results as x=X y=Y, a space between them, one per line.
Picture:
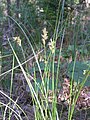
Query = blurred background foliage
x=33 y=16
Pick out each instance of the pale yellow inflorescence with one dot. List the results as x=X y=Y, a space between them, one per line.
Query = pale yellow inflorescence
x=52 y=46
x=17 y=40
x=44 y=36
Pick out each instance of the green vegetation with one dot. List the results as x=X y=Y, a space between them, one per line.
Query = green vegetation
x=44 y=60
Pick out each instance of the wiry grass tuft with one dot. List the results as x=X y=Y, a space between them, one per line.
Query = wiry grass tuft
x=44 y=90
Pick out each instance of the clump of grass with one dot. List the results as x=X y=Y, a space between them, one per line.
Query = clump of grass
x=45 y=106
